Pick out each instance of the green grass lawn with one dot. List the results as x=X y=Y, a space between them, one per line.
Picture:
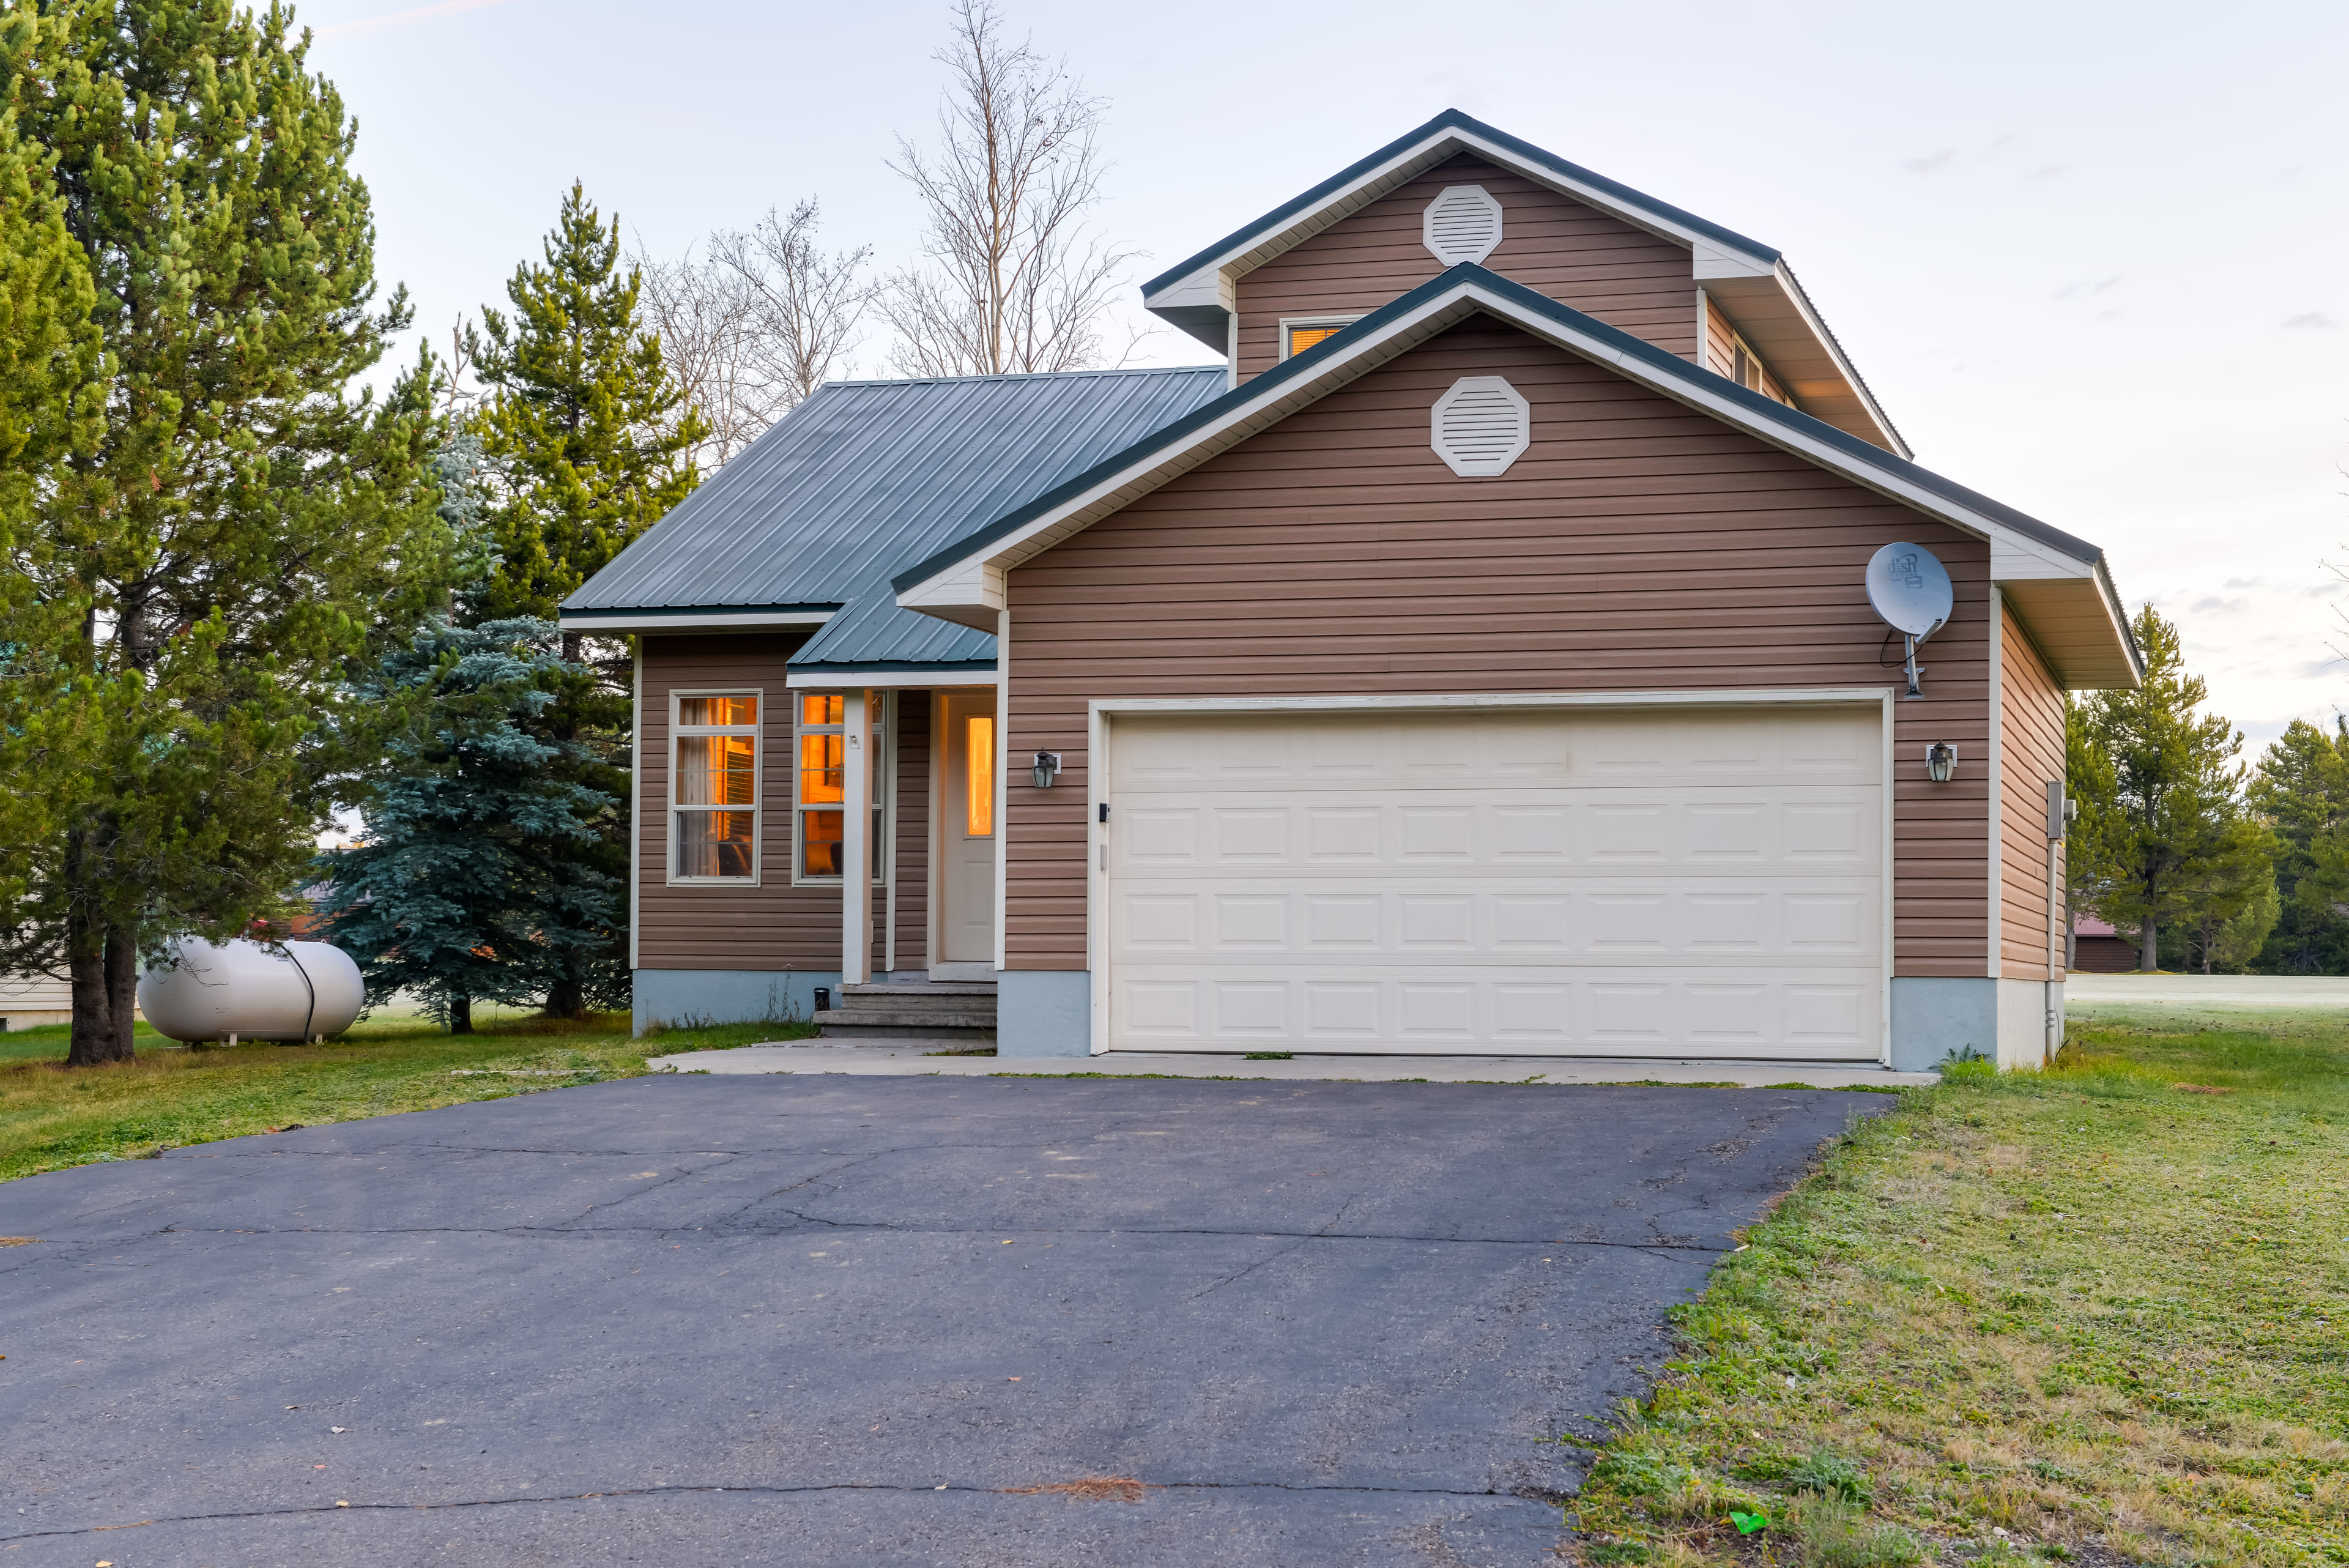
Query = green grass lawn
x=2088 y=1313
x=172 y=1095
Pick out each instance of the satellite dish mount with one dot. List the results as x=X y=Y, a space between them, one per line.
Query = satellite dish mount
x=1910 y=589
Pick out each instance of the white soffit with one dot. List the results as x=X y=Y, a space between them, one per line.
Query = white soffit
x=1462 y=224
x=1480 y=427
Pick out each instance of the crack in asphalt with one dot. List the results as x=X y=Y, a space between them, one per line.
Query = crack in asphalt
x=1272 y=1258
x=533 y=1231
x=1546 y=1498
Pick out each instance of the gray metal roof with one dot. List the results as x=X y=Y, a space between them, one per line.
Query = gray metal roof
x=867 y=477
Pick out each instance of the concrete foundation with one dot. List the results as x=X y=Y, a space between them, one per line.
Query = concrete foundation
x=1044 y=1013
x=2002 y=1021
x=697 y=996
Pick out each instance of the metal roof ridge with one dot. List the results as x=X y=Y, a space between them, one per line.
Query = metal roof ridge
x=1456 y=120
x=1218 y=366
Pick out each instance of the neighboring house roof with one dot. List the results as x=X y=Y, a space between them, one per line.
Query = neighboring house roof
x=1748 y=277
x=805 y=526
x=2060 y=583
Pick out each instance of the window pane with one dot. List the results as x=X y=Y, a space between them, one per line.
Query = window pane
x=819 y=843
x=1301 y=338
x=820 y=710
x=822 y=776
x=716 y=770
x=718 y=710
x=714 y=843
x=979 y=776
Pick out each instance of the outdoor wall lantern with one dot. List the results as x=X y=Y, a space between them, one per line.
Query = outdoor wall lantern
x=1940 y=762
x=1047 y=765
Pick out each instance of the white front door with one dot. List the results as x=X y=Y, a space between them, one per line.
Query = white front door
x=1609 y=882
x=967 y=784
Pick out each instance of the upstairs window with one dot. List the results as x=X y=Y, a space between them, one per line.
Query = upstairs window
x=822 y=786
x=714 y=788
x=1300 y=333
x=1745 y=368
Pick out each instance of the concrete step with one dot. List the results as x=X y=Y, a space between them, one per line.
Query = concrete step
x=922 y=988
x=857 y=1009
x=920 y=1021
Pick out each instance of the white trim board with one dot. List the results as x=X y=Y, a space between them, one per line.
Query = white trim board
x=725 y=621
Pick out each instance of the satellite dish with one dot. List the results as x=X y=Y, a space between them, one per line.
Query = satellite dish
x=1911 y=591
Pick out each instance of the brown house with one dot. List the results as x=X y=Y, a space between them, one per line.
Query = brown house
x=1477 y=660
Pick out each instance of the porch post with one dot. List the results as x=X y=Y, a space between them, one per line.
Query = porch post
x=856 y=840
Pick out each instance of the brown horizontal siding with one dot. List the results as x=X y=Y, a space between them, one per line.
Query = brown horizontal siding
x=774 y=925
x=2030 y=753
x=1637 y=545
x=1574 y=253
x=912 y=879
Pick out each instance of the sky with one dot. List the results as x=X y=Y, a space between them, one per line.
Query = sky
x=2089 y=257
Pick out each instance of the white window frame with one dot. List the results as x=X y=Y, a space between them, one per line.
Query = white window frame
x=757 y=733
x=1762 y=371
x=1290 y=323
x=881 y=717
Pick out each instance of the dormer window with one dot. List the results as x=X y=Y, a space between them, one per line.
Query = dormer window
x=1300 y=333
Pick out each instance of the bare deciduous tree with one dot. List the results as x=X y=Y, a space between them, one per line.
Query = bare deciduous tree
x=758 y=323
x=807 y=304
x=1015 y=283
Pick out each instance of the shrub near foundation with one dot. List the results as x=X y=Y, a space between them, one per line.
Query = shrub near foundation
x=2079 y=1313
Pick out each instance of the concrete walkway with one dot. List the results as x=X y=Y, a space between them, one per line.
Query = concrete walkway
x=908 y=1058
x=2288 y=990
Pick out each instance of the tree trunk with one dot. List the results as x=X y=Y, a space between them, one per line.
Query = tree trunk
x=122 y=986
x=95 y=1038
x=460 y=1015
x=2149 y=960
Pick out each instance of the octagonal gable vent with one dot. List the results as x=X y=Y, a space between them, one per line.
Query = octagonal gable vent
x=1481 y=426
x=1463 y=224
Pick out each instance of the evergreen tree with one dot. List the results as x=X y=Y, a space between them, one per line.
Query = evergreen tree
x=2179 y=841
x=590 y=444
x=583 y=418
x=2301 y=787
x=52 y=391
x=467 y=888
x=239 y=528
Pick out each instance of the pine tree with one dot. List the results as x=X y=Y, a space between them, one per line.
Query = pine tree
x=591 y=444
x=2302 y=787
x=239 y=528
x=583 y=418
x=52 y=391
x=2180 y=843
x=467 y=888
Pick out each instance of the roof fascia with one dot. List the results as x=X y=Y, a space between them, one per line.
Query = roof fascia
x=1186 y=293
x=705 y=617
x=887 y=672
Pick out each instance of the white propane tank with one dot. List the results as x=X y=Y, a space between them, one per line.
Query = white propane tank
x=244 y=990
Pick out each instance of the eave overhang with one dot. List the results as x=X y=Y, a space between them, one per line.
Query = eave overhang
x=631 y=619
x=2059 y=583
x=1749 y=278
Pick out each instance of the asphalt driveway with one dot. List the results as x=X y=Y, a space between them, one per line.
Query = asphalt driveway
x=686 y=1321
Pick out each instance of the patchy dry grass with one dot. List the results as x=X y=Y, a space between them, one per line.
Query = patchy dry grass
x=2089 y=1314
x=51 y=1116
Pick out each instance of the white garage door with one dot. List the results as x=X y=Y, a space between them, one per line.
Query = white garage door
x=1644 y=882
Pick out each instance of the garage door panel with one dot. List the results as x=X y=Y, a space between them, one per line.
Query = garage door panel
x=1793 y=831
x=1695 y=882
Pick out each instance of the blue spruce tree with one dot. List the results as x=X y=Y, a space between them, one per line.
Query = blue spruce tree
x=467 y=887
